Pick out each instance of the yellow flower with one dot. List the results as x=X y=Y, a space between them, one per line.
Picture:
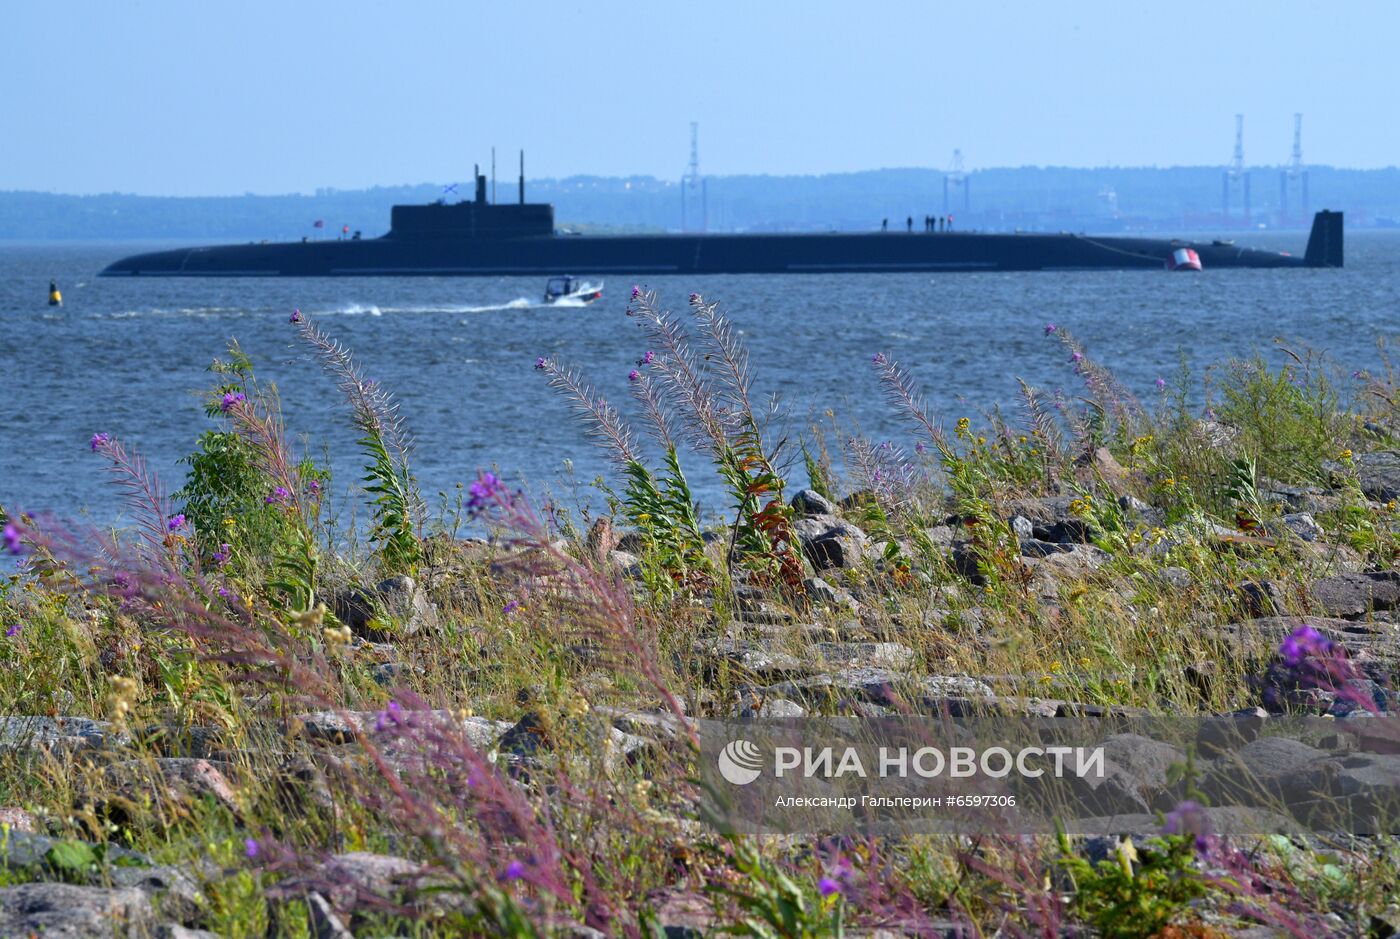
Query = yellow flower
x=1055 y=667
x=1344 y=456
x=981 y=440
x=1390 y=505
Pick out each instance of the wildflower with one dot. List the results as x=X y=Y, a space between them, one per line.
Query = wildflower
x=223 y=592
x=539 y=363
x=636 y=291
x=483 y=491
x=1189 y=818
x=1345 y=456
x=829 y=887
x=1301 y=643
x=222 y=555
x=13 y=543
x=250 y=845
x=296 y=315
x=12 y=630
x=1161 y=384
x=1076 y=356
x=314 y=487
x=388 y=717
x=99 y=441
x=634 y=375
x=919 y=447
x=279 y=496
x=510 y=607
x=1050 y=328
x=648 y=357
x=231 y=400
x=878 y=358
x=176 y=522
x=514 y=871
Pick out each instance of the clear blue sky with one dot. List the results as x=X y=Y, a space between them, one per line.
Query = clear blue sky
x=195 y=97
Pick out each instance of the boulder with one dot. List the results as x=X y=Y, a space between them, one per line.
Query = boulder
x=1303 y=526
x=1349 y=596
x=809 y=502
x=67 y=911
x=396 y=607
x=1379 y=473
x=58 y=734
x=830 y=543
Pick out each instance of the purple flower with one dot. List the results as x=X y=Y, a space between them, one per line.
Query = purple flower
x=99 y=441
x=222 y=555
x=539 y=363
x=514 y=871
x=296 y=315
x=483 y=491
x=919 y=447
x=634 y=375
x=13 y=542
x=250 y=847
x=1050 y=328
x=223 y=592
x=1076 y=356
x=1161 y=384
x=279 y=496
x=510 y=608
x=646 y=358
x=231 y=400
x=878 y=358
x=829 y=887
x=695 y=298
x=389 y=717
x=12 y=630
x=1301 y=643
x=176 y=522
x=314 y=487
x=636 y=291
x=1189 y=818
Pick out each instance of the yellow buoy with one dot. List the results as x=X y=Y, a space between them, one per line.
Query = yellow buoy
x=55 y=298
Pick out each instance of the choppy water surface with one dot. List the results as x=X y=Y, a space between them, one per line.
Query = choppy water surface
x=126 y=355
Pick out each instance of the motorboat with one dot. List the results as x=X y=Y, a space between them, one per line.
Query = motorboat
x=571 y=291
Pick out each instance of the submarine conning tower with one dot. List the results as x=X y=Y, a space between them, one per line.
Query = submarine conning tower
x=478 y=218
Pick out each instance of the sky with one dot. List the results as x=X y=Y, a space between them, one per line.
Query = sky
x=211 y=98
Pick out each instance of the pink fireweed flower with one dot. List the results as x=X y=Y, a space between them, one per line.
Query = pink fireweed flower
x=636 y=291
x=1189 y=818
x=231 y=400
x=99 y=441
x=484 y=491
x=279 y=496
x=634 y=375
x=514 y=871
x=1076 y=356
x=391 y=716
x=878 y=358
x=1050 y=328
x=13 y=542
x=828 y=886
x=1161 y=384
x=1302 y=643
x=296 y=315
x=647 y=358
x=539 y=363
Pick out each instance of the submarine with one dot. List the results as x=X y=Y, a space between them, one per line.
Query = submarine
x=476 y=237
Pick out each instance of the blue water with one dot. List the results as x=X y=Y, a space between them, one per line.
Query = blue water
x=127 y=356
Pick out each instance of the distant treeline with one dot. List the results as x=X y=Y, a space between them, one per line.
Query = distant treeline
x=1024 y=197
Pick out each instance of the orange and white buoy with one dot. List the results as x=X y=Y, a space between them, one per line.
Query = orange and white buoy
x=1184 y=259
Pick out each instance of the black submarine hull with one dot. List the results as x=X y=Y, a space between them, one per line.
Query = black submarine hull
x=550 y=254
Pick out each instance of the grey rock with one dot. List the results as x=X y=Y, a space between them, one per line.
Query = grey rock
x=341 y=726
x=383 y=875
x=1134 y=780
x=830 y=543
x=1352 y=595
x=630 y=564
x=29 y=852
x=1022 y=527
x=881 y=654
x=58 y=734
x=1035 y=548
x=772 y=709
x=809 y=502
x=1225 y=732
x=1303 y=525
x=825 y=594
x=1178 y=577
x=940 y=536
x=399 y=599
x=66 y=911
x=1379 y=473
